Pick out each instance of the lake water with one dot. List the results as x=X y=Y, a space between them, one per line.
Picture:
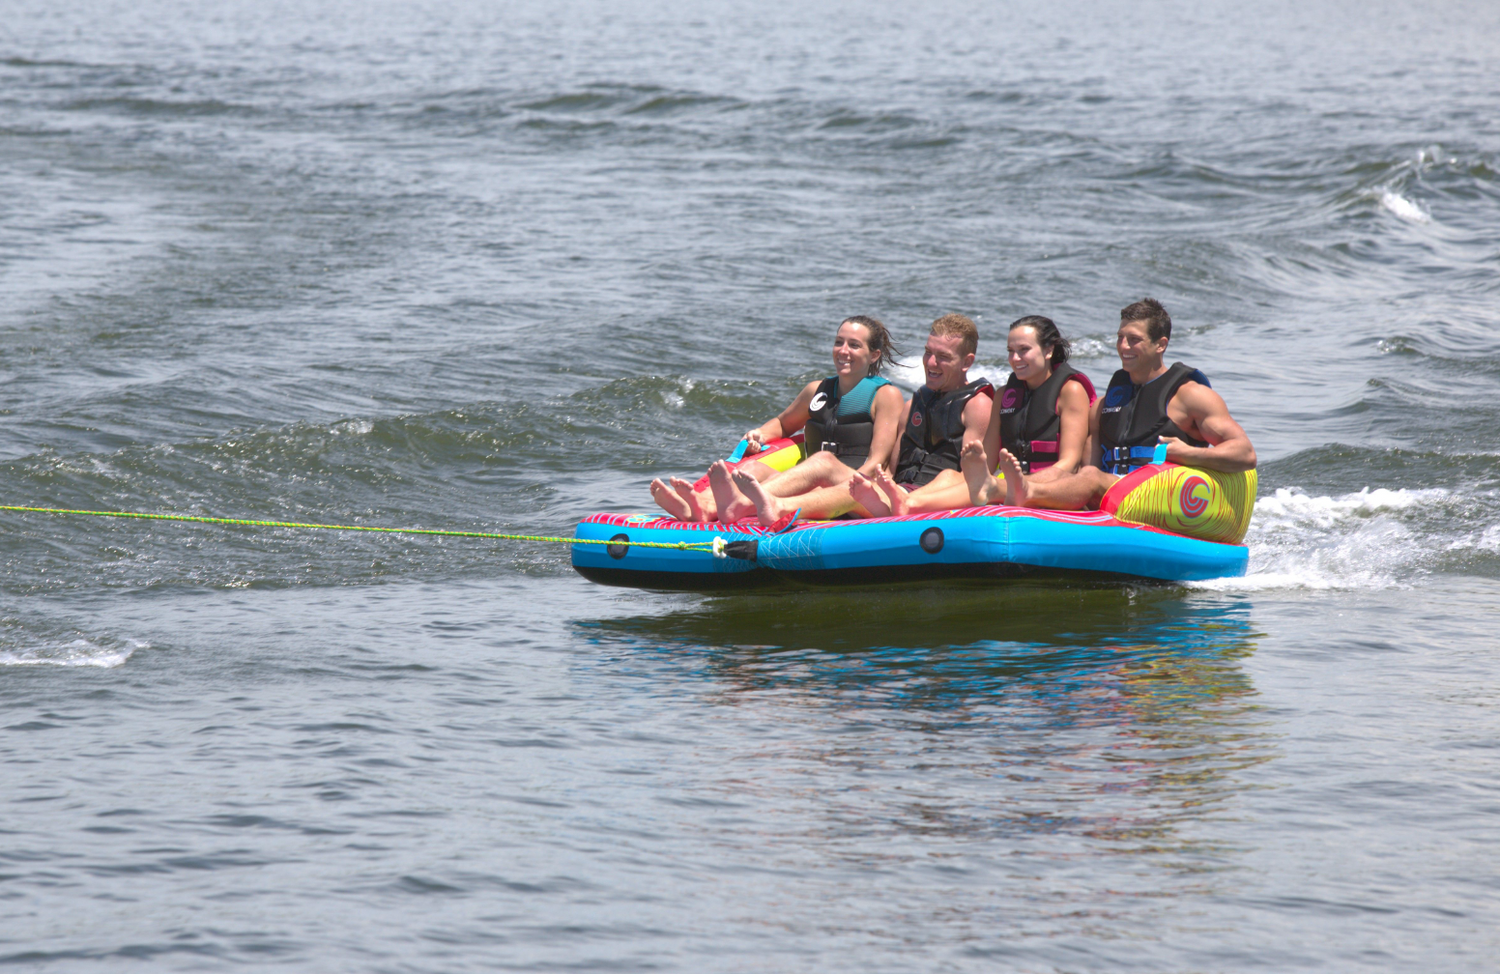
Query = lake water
x=494 y=266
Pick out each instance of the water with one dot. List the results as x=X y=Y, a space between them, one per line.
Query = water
x=494 y=267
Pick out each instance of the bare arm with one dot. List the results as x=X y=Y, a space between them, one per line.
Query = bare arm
x=792 y=419
x=1073 y=440
x=977 y=418
x=1091 y=456
x=1229 y=449
x=895 y=456
x=887 y=411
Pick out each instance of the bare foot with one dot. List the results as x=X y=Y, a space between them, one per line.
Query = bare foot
x=1016 y=488
x=868 y=496
x=729 y=502
x=983 y=487
x=694 y=500
x=666 y=498
x=767 y=508
x=895 y=494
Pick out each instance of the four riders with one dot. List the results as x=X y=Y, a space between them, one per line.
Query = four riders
x=1054 y=441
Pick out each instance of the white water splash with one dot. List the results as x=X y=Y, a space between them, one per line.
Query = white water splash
x=79 y=652
x=908 y=374
x=1092 y=348
x=1355 y=541
x=1291 y=507
x=1486 y=540
x=1404 y=208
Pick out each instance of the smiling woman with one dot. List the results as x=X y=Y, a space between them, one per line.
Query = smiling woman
x=848 y=421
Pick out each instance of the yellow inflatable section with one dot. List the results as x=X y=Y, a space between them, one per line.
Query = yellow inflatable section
x=1197 y=503
x=779 y=455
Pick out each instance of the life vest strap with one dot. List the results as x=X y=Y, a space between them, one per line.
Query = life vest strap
x=1126 y=458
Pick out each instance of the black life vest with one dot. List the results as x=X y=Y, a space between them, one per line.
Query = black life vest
x=1133 y=418
x=1029 y=424
x=846 y=437
x=934 y=432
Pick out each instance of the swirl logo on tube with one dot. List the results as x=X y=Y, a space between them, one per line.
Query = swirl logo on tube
x=1190 y=501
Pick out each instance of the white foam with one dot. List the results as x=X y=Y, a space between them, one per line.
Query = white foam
x=1403 y=207
x=79 y=652
x=1092 y=348
x=1354 y=541
x=1290 y=504
x=1434 y=155
x=909 y=375
x=678 y=398
x=1486 y=540
x=906 y=373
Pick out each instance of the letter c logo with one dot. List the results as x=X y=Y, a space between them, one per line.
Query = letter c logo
x=818 y=402
x=1189 y=500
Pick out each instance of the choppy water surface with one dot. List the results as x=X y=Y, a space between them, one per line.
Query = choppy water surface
x=493 y=267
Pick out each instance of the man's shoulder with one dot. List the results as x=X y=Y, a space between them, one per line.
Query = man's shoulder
x=1197 y=397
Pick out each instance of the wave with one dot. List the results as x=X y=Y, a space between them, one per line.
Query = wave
x=76 y=653
x=1404 y=208
x=1373 y=538
x=155 y=106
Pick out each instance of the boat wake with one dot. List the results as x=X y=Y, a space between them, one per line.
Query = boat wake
x=1370 y=539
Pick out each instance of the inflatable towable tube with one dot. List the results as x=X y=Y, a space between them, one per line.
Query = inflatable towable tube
x=1163 y=521
x=1189 y=501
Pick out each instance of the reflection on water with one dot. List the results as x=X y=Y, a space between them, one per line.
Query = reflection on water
x=1053 y=723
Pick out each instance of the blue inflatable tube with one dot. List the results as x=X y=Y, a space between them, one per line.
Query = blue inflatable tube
x=982 y=542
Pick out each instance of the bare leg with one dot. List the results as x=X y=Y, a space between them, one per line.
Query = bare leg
x=728 y=501
x=868 y=496
x=894 y=493
x=819 y=504
x=666 y=498
x=944 y=492
x=701 y=506
x=768 y=507
x=819 y=470
x=983 y=487
x=1071 y=492
x=825 y=503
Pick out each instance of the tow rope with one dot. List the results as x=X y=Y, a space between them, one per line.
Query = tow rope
x=716 y=545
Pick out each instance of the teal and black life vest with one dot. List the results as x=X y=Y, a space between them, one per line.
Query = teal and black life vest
x=934 y=432
x=842 y=425
x=1133 y=418
x=1029 y=424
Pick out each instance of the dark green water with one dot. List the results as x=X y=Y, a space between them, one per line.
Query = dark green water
x=494 y=267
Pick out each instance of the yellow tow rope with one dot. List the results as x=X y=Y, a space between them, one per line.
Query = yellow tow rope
x=675 y=545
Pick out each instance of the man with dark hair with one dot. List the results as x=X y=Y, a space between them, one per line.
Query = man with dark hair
x=1147 y=403
x=1150 y=312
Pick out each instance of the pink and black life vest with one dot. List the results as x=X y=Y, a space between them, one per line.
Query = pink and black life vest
x=1029 y=424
